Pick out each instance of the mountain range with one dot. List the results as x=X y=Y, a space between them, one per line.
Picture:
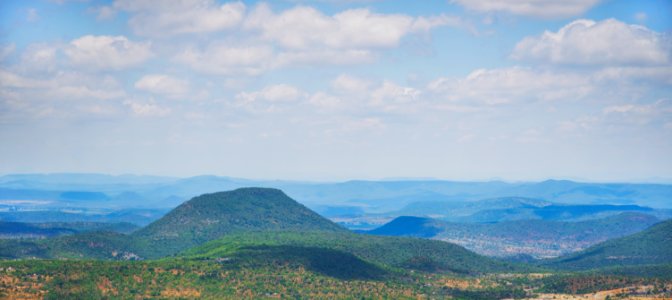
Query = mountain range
x=537 y=238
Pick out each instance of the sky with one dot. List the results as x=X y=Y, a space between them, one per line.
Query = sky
x=336 y=90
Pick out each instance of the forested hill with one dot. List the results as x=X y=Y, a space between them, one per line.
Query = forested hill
x=651 y=246
x=210 y=216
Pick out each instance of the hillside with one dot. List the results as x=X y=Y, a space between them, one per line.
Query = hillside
x=211 y=216
x=399 y=252
x=651 y=246
x=42 y=230
x=410 y=226
x=87 y=245
x=538 y=238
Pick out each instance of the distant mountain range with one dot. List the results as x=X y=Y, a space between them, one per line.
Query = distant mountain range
x=96 y=191
x=537 y=238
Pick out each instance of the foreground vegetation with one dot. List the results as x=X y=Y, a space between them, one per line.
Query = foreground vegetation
x=272 y=273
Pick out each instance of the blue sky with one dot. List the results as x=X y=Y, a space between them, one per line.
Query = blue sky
x=333 y=90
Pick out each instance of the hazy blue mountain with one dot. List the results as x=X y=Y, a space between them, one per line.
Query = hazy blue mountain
x=130 y=191
x=139 y=217
x=43 y=230
x=538 y=238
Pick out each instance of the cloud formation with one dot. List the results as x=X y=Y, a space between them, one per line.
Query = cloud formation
x=163 y=84
x=166 y=18
x=587 y=42
x=533 y=8
x=107 y=52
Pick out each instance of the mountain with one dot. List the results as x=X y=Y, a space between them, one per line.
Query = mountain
x=211 y=216
x=651 y=246
x=409 y=226
x=132 y=215
x=538 y=238
x=554 y=212
x=42 y=230
x=451 y=210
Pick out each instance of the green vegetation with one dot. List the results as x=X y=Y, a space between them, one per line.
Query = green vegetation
x=92 y=245
x=407 y=253
x=538 y=238
x=259 y=243
x=50 y=229
x=651 y=246
x=211 y=216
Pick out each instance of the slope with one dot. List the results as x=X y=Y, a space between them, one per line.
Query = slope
x=211 y=216
x=651 y=246
x=538 y=238
x=399 y=252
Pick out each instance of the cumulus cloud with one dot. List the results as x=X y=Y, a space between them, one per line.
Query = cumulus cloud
x=107 y=52
x=223 y=59
x=305 y=27
x=274 y=93
x=64 y=85
x=390 y=95
x=163 y=84
x=272 y=98
x=147 y=109
x=349 y=84
x=57 y=95
x=165 y=18
x=533 y=8
x=586 y=42
x=640 y=113
x=507 y=85
x=39 y=57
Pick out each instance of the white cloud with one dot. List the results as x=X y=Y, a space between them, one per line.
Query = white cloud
x=163 y=84
x=348 y=84
x=390 y=95
x=326 y=102
x=147 y=109
x=629 y=113
x=228 y=60
x=39 y=57
x=305 y=27
x=508 y=85
x=63 y=85
x=586 y=42
x=107 y=52
x=656 y=74
x=533 y=8
x=164 y=18
x=323 y=56
x=274 y=93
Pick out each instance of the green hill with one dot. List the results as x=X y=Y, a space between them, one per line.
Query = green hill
x=651 y=246
x=90 y=245
x=211 y=216
x=398 y=252
x=50 y=229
